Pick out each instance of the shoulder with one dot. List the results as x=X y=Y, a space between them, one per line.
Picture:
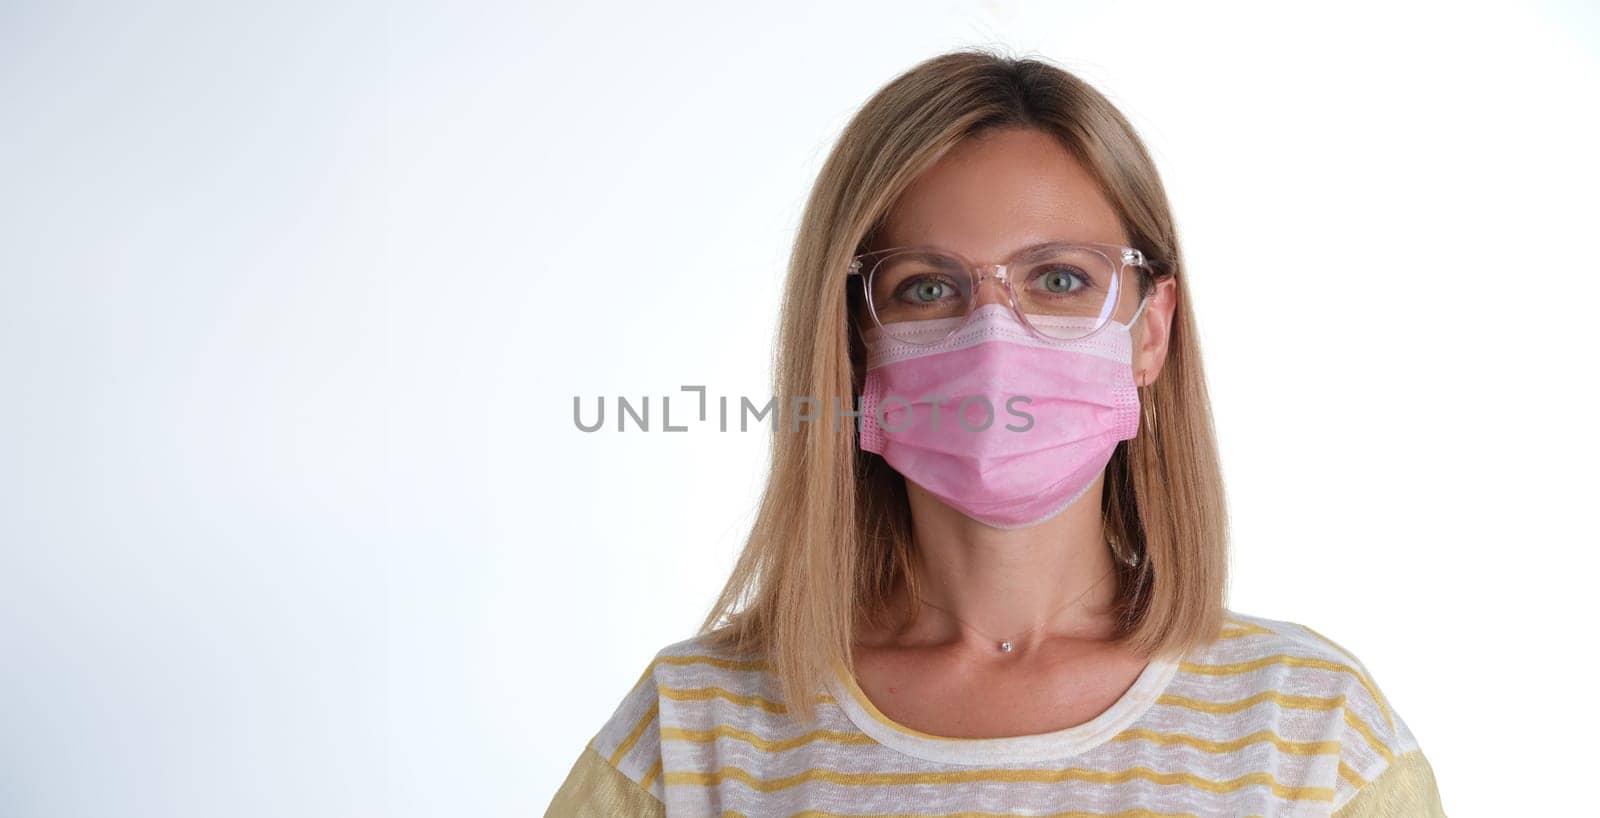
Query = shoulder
x=1297 y=666
x=700 y=667
x=620 y=770
x=1302 y=673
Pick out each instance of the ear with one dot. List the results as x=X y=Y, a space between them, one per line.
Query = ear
x=1153 y=330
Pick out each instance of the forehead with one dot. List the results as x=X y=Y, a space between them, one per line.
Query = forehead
x=994 y=194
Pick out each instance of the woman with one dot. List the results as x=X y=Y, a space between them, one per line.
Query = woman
x=1020 y=609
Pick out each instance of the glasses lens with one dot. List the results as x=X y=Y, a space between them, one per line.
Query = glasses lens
x=920 y=296
x=1063 y=291
x=1066 y=292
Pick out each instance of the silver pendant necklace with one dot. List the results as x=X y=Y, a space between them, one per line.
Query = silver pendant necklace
x=1009 y=645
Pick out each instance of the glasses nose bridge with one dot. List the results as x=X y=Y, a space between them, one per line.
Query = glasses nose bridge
x=998 y=273
x=998 y=270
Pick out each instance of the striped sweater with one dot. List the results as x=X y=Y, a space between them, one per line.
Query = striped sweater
x=1273 y=719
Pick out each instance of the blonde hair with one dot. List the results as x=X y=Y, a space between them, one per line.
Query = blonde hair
x=832 y=535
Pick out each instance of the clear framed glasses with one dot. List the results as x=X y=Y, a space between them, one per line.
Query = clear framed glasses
x=1063 y=290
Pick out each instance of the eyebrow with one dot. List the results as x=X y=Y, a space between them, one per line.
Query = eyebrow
x=1024 y=253
x=1037 y=249
x=1045 y=246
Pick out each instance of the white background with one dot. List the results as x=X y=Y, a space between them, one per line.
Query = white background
x=296 y=298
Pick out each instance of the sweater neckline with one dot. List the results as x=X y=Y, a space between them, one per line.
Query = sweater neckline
x=1034 y=747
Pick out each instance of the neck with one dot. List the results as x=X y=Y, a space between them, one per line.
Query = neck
x=1053 y=580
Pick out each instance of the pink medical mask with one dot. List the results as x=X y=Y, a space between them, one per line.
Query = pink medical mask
x=1005 y=425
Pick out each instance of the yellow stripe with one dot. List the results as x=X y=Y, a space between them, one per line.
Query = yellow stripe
x=1332 y=644
x=1349 y=774
x=1236 y=668
x=700 y=694
x=1293 y=661
x=1283 y=700
x=1244 y=629
x=1236 y=705
x=1366 y=732
x=1383 y=703
x=650 y=775
x=1000 y=775
x=748 y=665
x=633 y=736
x=1366 y=682
x=708 y=736
x=1307 y=748
x=1164 y=739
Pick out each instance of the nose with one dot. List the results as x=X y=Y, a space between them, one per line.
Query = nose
x=991 y=288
